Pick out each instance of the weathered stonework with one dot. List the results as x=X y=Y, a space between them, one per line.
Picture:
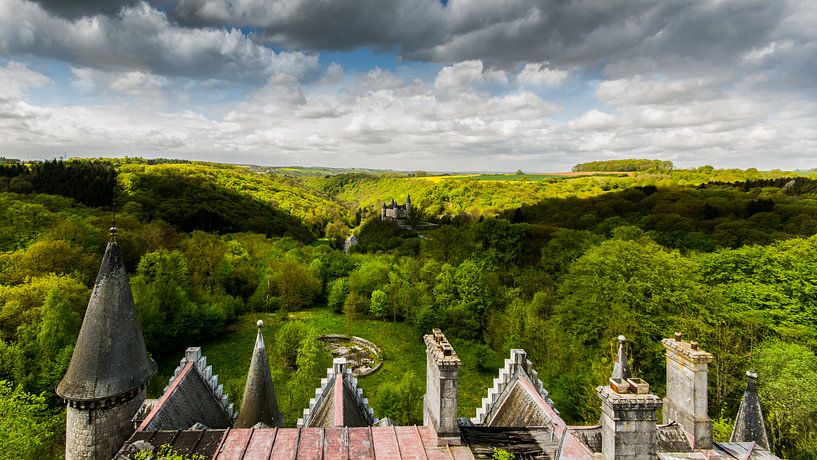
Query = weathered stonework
x=96 y=433
x=687 y=389
x=442 y=380
x=628 y=430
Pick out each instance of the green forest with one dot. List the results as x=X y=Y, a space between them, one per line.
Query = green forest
x=559 y=265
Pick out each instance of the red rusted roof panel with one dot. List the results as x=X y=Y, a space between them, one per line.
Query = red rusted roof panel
x=310 y=446
x=360 y=443
x=384 y=440
x=234 y=446
x=335 y=444
x=286 y=444
x=411 y=446
x=260 y=444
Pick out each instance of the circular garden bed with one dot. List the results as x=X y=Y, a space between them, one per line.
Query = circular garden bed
x=362 y=357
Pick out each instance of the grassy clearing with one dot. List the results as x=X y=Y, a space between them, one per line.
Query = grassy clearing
x=509 y=177
x=402 y=346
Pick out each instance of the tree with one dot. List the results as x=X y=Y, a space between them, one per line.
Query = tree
x=400 y=401
x=293 y=283
x=787 y=379
x=26 y=423
x=338 y=290
x=379 y=305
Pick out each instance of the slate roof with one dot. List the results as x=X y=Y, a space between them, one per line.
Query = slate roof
x=192 y=396
x=338 y=401
x=749 y=425
x=259 y=404
x=109 y=357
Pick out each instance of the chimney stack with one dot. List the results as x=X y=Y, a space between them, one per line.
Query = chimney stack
x=442 y=379
x=628 y=430
x=687 y=389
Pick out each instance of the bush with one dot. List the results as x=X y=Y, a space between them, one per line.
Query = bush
x=338 y=290
x=288 y=341
x=379 y=305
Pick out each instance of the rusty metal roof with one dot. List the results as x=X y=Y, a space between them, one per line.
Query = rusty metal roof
x=406 y=442
x=109 y=358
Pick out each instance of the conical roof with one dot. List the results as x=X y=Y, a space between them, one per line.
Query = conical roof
x=621 y=370
x=110 y=356
x=749 y=424
x=259 y=404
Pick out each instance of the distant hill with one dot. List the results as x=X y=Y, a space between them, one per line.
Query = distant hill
x=624 y=166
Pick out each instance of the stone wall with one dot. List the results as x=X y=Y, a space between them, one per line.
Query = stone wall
x=98 y=433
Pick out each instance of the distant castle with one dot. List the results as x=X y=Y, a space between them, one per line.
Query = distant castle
x=109 y=417
x=400 y=213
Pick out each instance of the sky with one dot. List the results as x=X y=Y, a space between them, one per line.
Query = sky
x=457 y=85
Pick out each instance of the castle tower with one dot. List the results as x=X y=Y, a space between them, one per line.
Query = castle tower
x=408 y=206
x=259 y=404
x=109 y=370
x=749 y=424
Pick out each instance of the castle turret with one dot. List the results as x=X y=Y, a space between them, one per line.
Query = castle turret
x=259 y=404
x=749 y=424
x=687 y=389
x=408 y=206
x=109 y=370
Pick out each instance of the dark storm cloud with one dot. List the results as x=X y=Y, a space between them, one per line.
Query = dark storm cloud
x=503 y=33
x=73 y=9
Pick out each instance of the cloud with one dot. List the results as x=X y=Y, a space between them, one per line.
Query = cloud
x=130 y=83
x=502 y=33
x=141 y=38
x=15 y=78
x=464 y=75
x=73 y=9
x=541 y=74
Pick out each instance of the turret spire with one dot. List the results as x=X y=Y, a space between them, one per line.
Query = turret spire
x=259 y=404
x=749 y=424
x=621 y=369
x=109 y=358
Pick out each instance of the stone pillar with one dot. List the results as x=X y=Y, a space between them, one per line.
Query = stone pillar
x=442 y=379
x=628 y=430
x=687 y=389
x=96 y=430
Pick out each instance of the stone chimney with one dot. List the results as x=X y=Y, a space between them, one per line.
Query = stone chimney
x=442 y=379
x=687 y=389
x=628 y=430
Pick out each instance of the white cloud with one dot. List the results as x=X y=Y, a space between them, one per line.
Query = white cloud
x=142 y=39
x=464 y=75
x=15 y=78
x=541 y=74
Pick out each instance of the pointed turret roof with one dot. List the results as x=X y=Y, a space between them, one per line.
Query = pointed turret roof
x=109 y=358
x=749 y=424
x=259 y=403
x=408 y=198
x=621 y=369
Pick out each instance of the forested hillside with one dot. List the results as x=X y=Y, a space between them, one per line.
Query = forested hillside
x=559 y=267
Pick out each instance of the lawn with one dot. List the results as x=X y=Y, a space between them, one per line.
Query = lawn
x=402 y=346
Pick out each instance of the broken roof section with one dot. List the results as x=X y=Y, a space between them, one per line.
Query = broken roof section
x=259 y=404
x=338 y=401
x=109 y=358
x=518 y=398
